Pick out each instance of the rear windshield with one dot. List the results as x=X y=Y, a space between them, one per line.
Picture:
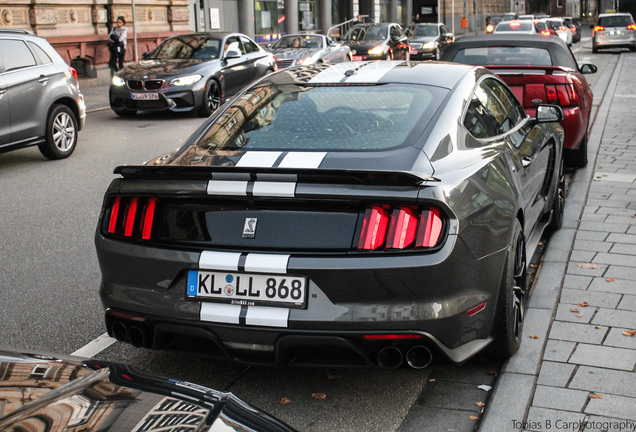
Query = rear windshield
x=351 y=118
x=514 y=56
x=615 y=21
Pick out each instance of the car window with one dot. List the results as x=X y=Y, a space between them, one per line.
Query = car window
x=333 y=118
x=16 y=55
x=395 y=31
x=186 y=47
x=40 y=53
x=521 y=26
x=514 y=56
x=249 y=45
x=493 y=110
x=615 y=21
x=233 y=43
x=426 y=30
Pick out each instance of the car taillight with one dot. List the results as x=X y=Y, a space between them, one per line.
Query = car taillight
x=562 y=94
x=400 y=227
x=563 y=28
x=130 y=217
x=599 y=28
x=631 y=27
x=74 y=73
x=545 y=32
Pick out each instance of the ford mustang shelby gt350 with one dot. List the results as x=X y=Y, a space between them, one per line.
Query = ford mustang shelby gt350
x=372 y=213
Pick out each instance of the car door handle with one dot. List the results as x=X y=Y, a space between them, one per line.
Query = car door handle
x=43 y=79
x=526 y=162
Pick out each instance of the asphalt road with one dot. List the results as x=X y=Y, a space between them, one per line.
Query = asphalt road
x=49 y=277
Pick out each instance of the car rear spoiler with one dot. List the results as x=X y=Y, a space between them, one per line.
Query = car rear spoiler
x=316 y=176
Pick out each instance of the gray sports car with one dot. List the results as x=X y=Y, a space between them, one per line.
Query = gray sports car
x=306 y=49
x=192 y=72
x=369 y=213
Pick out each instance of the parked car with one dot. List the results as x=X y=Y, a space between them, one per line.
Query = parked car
x=377 y=42
x=615 y=30
x=40 y=100
x=538 y=70
x=426 y=40
x=575 y=27
x=562 y=30
x=51 y=392
x=349 y=214
x=305 y=49
x=192 y=72
x=516 y=27
x=496 y=19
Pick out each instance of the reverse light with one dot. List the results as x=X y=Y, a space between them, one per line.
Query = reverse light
x=376 y=51
x=400 y=227
x=186 y=80
x=117 y=81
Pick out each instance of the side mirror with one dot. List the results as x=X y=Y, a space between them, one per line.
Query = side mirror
x=549 y=113
x=145 y=55
x=269 y=46
x=588 y=68
x=230 y=54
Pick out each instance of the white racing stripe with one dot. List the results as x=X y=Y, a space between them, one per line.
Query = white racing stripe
x=302 y=160
x=220 y=312
x=267 y=316
x=228 y=261
x=94 y=347
x=262 y=263
x=227 y=187
x=274 y=189
x=258 y=159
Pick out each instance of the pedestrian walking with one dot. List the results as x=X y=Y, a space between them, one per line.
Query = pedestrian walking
x=117 y=42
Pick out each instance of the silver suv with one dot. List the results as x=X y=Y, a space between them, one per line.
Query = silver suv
x=614 y=30
x=40 y=101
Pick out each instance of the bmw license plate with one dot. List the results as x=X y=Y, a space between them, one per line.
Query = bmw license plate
x=144 y=96
x=248 y=289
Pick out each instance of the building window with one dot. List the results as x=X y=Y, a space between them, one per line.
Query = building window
x=307 y=15
x=266 y=15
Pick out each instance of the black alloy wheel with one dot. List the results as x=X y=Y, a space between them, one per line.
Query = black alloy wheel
x=510 y=313
x=212 y=99
x=61 y=133
x=558 y=205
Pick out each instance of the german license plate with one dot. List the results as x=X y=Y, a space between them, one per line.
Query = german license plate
x=248 y=289
x=357 y=58
x=144 y=96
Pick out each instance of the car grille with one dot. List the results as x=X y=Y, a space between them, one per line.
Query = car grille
x=145 y=85
x=284 y=63
x=416 y=45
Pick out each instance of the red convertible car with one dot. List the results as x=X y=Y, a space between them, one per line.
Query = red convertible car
x=539 y=70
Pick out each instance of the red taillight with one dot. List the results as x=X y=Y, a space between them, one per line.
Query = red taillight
x=114 y=213
x=631 y=27
x=148 y=216
x=374 y=225
x=563 y=28
x=562 y=94
x=400 y=228
x=599 y=28
x=125 y=219
x=545 y=32
x=515 y=24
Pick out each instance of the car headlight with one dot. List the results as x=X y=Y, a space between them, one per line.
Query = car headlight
x=186 y=80
x=430 y=44
x=490 y=28
x=117 y=81
x=376 y=51
x=305 y=61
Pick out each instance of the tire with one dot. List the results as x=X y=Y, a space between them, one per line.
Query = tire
x=211 y=99
x=437 y=54
x=125 y=113
x=577 y=158
x=558 y=204
x=61 y=133
x=510 y=314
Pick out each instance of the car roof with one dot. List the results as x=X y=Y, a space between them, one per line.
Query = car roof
x=439 y=74
x=615 y=14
